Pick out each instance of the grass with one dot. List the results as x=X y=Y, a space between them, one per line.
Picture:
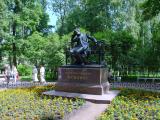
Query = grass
x=30 y=104
x=26 y=78
x=134 y=105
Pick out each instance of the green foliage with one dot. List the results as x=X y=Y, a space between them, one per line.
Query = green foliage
x=62 y=8
x=54 y=51
x=106 y=35
x=120 y=44
x=120 y=24
x=26 y=78
x=24 y=70
x=19 y=20
x=127 y=27
x=35 y=47
x=151 y=8
x=93 y=15
x=129 y=79
x=47 y=50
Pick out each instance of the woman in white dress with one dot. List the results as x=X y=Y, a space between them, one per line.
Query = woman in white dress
x=15 y=73
x=7 y=74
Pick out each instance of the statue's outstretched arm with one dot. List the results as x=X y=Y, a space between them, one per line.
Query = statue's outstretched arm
x=92 y=38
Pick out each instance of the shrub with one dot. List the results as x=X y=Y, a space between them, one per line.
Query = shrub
x=129 y=78
x=24 y=70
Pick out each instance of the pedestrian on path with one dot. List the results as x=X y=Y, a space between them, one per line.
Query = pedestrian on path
x=7 y=73
x=15 y=73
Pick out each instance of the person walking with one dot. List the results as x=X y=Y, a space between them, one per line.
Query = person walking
x=7 y=74
x=15 y=73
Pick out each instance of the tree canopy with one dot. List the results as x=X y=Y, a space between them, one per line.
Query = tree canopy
x=129 y=28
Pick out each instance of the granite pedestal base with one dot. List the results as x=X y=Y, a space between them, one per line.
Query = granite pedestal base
x=85 y=80
x=105 y=98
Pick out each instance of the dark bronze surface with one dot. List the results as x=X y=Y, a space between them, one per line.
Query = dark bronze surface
x=83 y=80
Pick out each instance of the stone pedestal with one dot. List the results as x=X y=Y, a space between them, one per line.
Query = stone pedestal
x=85 y=80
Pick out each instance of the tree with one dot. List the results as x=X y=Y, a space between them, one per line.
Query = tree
x=93 y=15
x=120 y=44
x=4 y=30
x=96 y=15
x=48 y=50
x=151 y=8
x=61 y=8
x=24 y=18
x=34 y=48
x=44 y=19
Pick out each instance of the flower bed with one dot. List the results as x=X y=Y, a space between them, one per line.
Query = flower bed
x=134 y=105
x=29 y=104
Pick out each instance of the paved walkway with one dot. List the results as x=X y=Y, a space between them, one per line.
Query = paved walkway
x=90 y=111
x=148 y=86
x=19 y=84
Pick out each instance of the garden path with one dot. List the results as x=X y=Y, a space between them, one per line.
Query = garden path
x=90 y=111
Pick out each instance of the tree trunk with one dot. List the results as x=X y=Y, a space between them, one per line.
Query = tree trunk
x=10 y=60
x=1 y=61
x=14 y=54
x=14 y=45
x=0 y=55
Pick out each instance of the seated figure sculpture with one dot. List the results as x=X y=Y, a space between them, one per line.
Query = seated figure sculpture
x=80 y=47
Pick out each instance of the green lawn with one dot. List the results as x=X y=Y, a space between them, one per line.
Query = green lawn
x=134 y=105
x=26 y=78
x=29 y=104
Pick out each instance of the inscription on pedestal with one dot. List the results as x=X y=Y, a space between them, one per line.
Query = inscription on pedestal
x=75 y=74
x=83 y=80
x=83 y=75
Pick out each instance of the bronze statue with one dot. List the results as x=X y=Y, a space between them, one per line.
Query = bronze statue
x=80 y=47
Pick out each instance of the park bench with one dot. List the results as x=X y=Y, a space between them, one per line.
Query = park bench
x=97 y=50
x=145 y=79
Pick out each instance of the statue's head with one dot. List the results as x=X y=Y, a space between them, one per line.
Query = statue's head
x=76 y=31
